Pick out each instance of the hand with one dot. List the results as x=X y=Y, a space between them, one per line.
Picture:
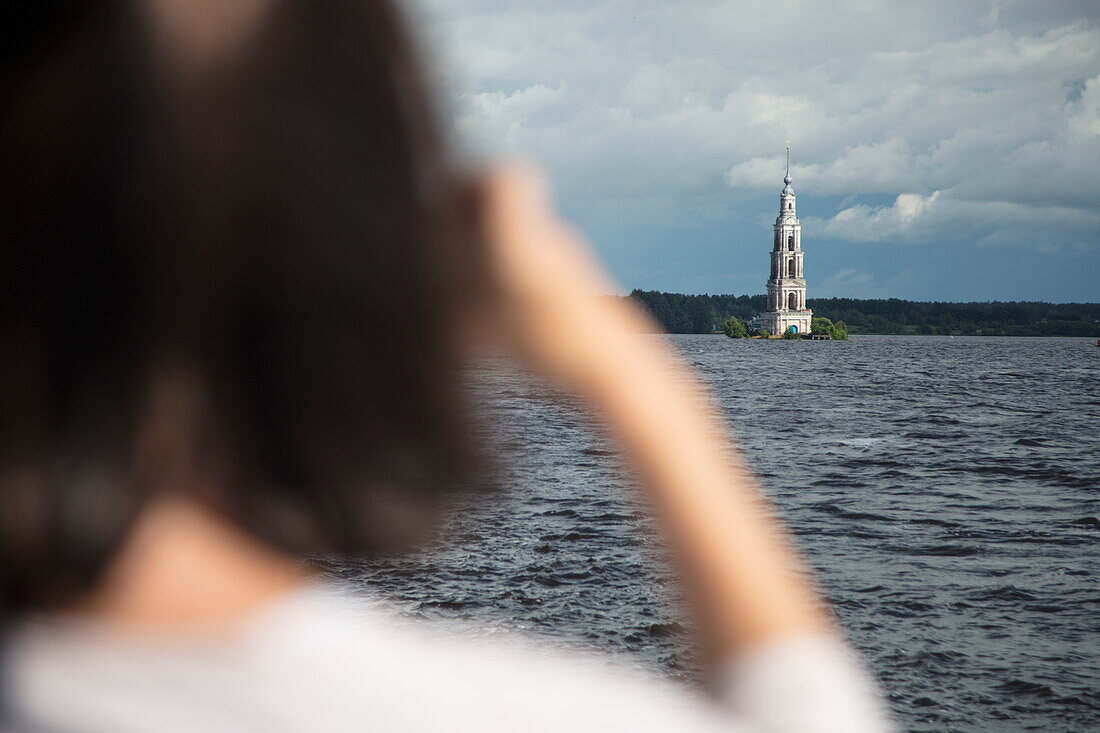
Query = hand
x=546 y=285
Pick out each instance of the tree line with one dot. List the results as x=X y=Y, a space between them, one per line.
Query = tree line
x=736 y=328
x=679 y=313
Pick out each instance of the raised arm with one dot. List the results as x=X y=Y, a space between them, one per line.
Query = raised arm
x=748 y=591
x=745 y=584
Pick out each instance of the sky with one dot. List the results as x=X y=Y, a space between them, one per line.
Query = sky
x=940 y=149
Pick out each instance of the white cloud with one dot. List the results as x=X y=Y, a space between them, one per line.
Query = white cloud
x=862 y=223
x=941 y=217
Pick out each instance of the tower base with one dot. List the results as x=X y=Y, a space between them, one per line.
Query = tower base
x=781 y=321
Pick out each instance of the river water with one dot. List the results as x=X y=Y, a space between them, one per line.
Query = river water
x=946 y=491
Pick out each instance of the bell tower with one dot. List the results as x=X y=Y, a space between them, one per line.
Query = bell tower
x=787 y=309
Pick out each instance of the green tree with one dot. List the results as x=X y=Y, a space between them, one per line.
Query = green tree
x=765 y=333
x=790 y=334
x=839 y=331
x=821 y=327
x=701 y=314
x=679 y=313
x=734 y=328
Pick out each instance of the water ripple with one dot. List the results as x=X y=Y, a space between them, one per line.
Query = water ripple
x=946 y=490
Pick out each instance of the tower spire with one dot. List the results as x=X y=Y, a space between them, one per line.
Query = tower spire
x=787 y=178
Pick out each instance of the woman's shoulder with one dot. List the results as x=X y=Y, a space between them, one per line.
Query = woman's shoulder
x=324 y=657
x=463 y=676
x=435 y=674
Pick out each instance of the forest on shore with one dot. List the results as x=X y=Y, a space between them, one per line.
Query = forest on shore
x=679 y=313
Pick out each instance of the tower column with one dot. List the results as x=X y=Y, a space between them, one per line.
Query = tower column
x=786 y=287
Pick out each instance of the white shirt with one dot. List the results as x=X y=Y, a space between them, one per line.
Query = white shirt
x=320 y=660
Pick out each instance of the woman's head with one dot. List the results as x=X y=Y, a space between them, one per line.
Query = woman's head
x=237 y=280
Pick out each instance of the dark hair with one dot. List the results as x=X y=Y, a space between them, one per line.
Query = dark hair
x=283 y=231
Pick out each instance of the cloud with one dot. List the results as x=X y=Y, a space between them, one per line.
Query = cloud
x=857 y=169
x=914 y=218
x=845 y=283
x=979 y=121
x=851 y=283
x=862 y=223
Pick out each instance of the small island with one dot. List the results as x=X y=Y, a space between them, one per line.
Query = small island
x=821 y=329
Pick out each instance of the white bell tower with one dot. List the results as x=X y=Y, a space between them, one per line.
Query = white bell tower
x=787 y=309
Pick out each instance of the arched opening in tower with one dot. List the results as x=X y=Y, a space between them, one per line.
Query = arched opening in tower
x=790 y=243
x=790 y=268
x=792 y=301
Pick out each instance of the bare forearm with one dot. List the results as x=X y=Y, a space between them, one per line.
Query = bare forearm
x=744 y=580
